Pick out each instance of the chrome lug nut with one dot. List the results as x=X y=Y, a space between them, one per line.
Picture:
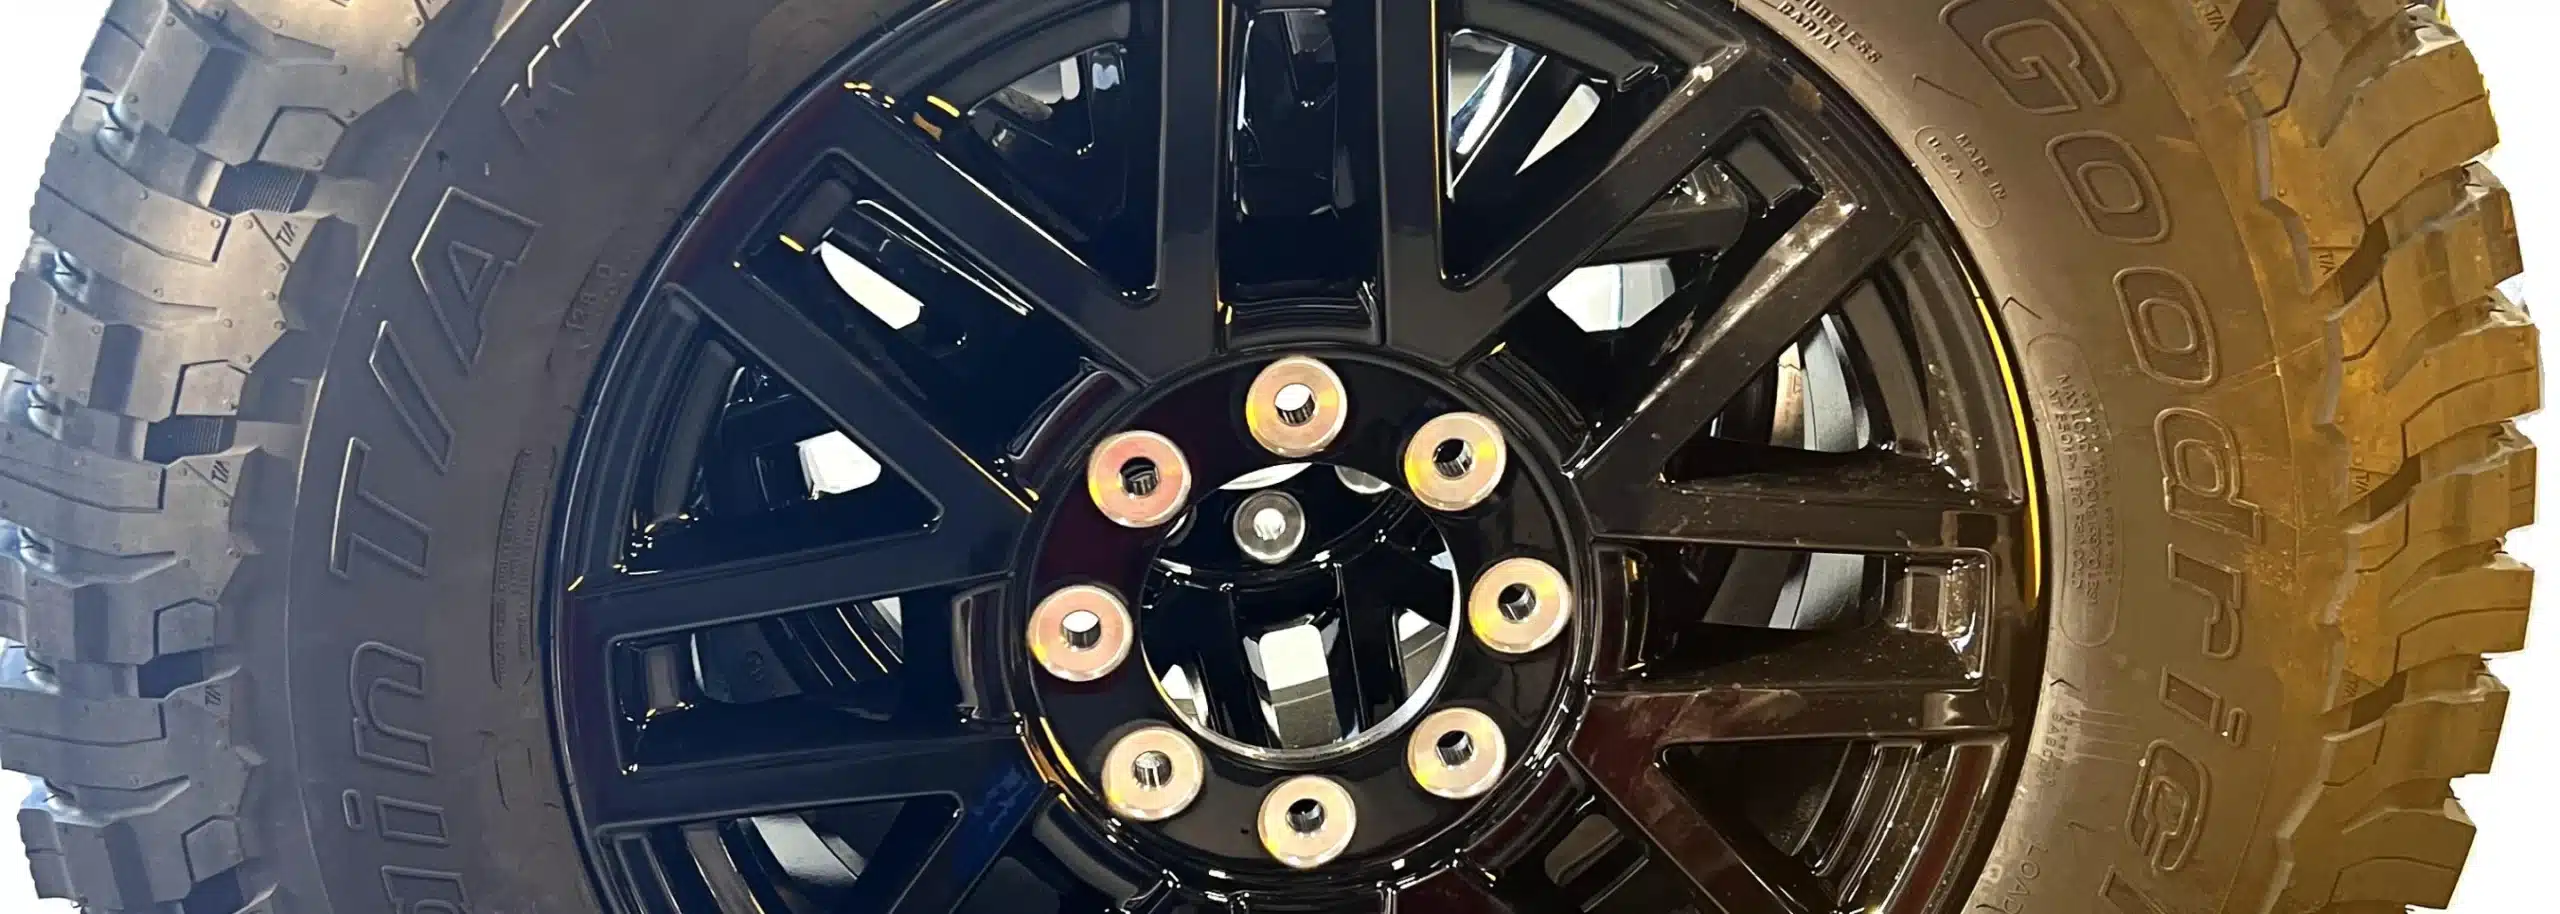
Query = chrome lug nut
x=1270 y=525
x=1152 y=774
x=1080 y=633
x=1138 y=479
x=1455 y=461
x=1519 y=605
x=1456 y=753
x=1296 y=406
x=1306 y=821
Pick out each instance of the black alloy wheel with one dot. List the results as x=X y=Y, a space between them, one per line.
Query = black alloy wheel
x=1747 y=405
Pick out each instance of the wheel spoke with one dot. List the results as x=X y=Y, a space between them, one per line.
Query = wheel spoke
x=951 y=554
x=1697 y=217
x=849 y=390
x=978 y=517
x=1031 y=262
x=1195 y=41
x=761 y=771
x=1862 y=501
x=1395 y=59
x=1458 y=891
x=1501 y=123
x=1681 y=714
x=1205 y=624
x=1817 y=260
x=1728 y=864
x=938 y=873
x=1703 y=106
x=1366 y=676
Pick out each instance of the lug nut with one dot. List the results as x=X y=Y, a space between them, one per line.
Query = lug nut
x=1455 y=460
x=1138 y=479
x=1519 y=605
x=1296 y=406
x=1270 y=525
x=1456 y=753
x=1306 y=821
x=1152 y=774
x=1080 y=633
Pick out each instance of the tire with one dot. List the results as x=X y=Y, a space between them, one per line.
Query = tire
x=277 y=463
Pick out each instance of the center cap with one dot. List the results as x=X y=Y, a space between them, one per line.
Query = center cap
x=1348 y=515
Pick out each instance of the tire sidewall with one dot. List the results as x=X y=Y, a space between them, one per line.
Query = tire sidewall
x=424 y=499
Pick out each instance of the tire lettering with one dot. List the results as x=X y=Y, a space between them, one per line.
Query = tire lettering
x=2041 y=55
x=409 y=821
x=468 y=248
x=416 y=891
x=2111 y=185
x=2122 y=896
x=2200 y=465
x=2221 y=587
x=366 y=523
x=385 y=683
x=2173 y=337
x=396 y=819
x=418 y=412
x=2168 y=806
x=556 y=75
x=2204 y=708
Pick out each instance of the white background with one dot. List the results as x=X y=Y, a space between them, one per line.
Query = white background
x=2517 y=806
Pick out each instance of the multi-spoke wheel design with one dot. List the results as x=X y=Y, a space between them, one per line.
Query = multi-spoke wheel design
x=1163 y=453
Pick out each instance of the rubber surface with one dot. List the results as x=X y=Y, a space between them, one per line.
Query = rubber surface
x=318 y=284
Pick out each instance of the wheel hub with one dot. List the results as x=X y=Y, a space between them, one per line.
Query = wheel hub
x=1415 y=717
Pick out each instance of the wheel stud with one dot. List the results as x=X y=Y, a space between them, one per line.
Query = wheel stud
x=1306 y=821
x=1296 y=406
x=1270 y=525
x=1080 y=633
x=1519 y=605
x=1456 y=753
x=1455 y=461
x=1152 y=774
x=1138 y=479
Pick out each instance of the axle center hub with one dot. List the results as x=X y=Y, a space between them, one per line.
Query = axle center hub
x=1316 y=686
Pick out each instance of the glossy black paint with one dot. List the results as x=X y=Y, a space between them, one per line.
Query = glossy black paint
x=1074 y=544
x=1147 y=300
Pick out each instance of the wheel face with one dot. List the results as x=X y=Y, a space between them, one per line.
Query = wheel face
x=950 y=503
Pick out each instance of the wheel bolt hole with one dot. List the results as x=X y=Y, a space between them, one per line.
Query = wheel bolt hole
x=1138 y=477
x=1296 y=404
x=1455 y=748
x=1083 y=629
x=1306 y=816
x=1453 y=458
x=1516 y=602
x=1152 y=769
